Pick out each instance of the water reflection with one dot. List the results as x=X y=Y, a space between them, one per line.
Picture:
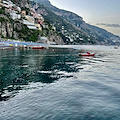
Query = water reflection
x=21 y=67
x=59 y=85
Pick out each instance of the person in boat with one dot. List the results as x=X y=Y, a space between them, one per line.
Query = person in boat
x=88 y=53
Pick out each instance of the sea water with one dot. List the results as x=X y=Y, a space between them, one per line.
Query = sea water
x=58 y=84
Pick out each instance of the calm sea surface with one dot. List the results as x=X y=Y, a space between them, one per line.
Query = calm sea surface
x=59 y=85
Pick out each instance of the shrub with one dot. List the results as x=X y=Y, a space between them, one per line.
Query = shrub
x=2 y=19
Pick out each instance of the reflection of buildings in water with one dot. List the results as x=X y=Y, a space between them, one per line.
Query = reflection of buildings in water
x=16 y=51
x=35 y=61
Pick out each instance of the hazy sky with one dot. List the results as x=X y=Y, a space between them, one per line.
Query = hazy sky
x=102 y=13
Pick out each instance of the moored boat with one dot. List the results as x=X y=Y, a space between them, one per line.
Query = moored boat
x=87 y=54
x=37 y=47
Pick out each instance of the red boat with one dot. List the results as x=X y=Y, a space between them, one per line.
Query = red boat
x=87 y=54
x=37 y=47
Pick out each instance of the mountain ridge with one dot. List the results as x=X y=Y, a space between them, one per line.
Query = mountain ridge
x=103 y=36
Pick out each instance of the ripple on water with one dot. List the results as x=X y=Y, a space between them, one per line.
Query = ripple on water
x=59 y=86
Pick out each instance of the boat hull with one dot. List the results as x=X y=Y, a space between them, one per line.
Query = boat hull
x=37 y=47
x=85 y=54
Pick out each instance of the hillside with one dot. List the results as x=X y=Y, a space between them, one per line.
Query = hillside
x=29 y=20
x=101 y=36
x=69 y=33
x=19 y=21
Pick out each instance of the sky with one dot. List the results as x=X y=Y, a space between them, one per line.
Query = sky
x=102 y=13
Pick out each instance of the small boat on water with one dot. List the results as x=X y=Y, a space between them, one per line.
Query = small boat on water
x=37 y=47
x=87 y=54
x=115 y=47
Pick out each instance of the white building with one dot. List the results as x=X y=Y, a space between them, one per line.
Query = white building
x=30 y=18
x=19 y=9
x=51 y=43
x=30 y=25
x=43 y=39
x=7 y=3
x=15 y=16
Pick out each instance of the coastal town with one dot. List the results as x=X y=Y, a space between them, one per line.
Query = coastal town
x=26 y=16
x=33 y=21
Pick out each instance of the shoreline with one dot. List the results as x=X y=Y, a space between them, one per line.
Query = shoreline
x=11 y=44
x=5 y=47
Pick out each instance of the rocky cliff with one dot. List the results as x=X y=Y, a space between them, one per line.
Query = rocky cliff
x=6 y=27
x=17 y=30
x=10 y=28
